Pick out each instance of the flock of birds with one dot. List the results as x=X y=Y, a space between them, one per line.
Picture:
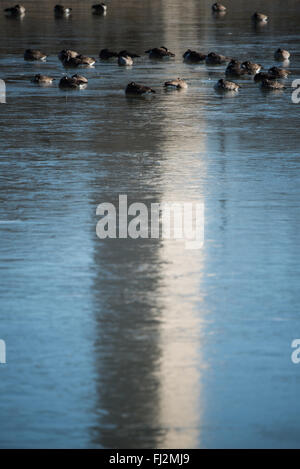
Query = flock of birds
x=59 y=10
x=235 y=69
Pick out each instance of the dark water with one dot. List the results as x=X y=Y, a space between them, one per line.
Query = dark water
x=123 y=343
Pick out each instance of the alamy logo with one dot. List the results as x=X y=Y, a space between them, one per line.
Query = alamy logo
x=2 y=92
x=2 y=351
x=296 y=92
x=295 y=357
x=180 y=221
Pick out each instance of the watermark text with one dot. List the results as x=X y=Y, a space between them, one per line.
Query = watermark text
x=180 y=221
x=2 y=352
